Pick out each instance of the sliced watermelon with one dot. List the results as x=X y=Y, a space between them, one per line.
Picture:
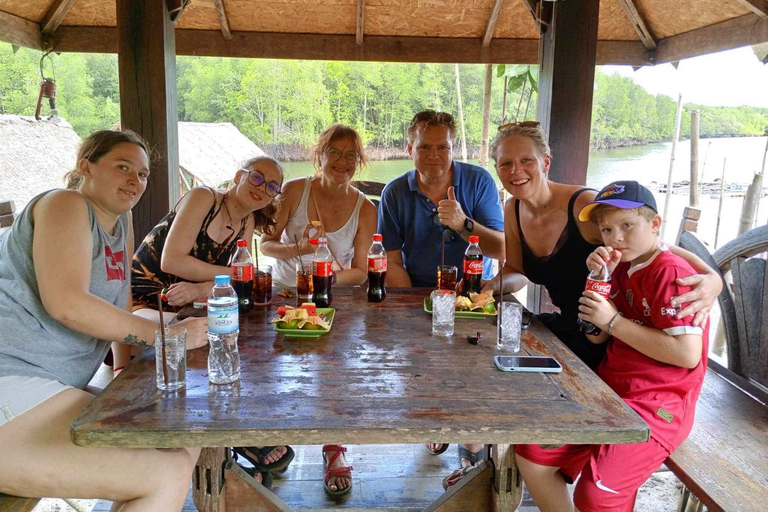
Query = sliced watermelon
x=283 y=309
x=310 y=307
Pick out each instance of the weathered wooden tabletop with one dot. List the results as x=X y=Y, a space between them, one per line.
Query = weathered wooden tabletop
x=379 y=376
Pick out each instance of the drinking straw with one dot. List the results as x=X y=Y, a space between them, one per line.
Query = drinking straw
x=256 y=255
x=298 y=251
x=162 y=337
x=501 y=299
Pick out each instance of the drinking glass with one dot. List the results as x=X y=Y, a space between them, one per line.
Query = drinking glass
x=175 y=358
x=446 y=277
x=510 y=316
x=443 y=312
x=304 y=287
x=262 y=285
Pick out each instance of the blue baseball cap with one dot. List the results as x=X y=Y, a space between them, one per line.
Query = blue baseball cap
x=621 y=194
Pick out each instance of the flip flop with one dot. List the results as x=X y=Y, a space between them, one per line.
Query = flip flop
x=442 y=449
x=456 y=476
x=257 y=457
x=345 y=471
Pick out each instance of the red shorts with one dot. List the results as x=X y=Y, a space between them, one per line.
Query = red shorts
x=611 y=474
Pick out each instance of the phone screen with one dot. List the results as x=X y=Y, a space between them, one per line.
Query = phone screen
x=523 y=363
x=527 y=316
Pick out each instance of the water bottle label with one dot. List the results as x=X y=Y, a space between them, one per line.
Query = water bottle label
x=223 y=320
x=472 y=267
x=322 y=268
x=377 y=264
x=242 y=272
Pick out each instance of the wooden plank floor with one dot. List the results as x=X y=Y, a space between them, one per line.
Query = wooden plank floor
x=395 y=477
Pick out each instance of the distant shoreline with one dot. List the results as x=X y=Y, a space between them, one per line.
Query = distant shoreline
x=295 y=153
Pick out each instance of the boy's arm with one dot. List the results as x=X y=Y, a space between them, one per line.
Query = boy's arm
x=599 y=339
x=683 y=350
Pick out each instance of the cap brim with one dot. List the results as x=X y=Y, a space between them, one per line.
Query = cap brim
x=624 y=204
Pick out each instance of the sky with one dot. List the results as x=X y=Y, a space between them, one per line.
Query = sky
x=729 y=78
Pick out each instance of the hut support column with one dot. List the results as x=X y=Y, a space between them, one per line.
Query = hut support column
x=146 y=59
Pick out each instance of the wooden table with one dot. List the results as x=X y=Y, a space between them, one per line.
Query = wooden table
x=379 y=376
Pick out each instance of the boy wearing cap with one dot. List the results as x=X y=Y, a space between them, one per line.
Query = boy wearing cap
x=654 y=361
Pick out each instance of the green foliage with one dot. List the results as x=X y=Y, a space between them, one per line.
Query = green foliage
x=291 y=102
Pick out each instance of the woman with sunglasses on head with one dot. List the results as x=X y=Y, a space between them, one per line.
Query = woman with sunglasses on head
x=194 y=243
x=548 y=245
x=326 y=204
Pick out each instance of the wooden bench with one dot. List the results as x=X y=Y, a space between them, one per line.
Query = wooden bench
x=14 y=504
x=724 y=462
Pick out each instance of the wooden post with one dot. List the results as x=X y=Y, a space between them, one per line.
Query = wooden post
x=694 y=192
x=690 y=220
x=461 y=117
x=762 y=173
x=146 y=47
x=720 y=204
x=566 y=86
x=668 y=194
x=486 y=115
x=749 y=207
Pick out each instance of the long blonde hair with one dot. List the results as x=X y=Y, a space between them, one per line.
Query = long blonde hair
x=99 y=144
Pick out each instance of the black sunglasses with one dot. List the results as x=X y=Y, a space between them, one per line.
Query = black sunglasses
x=256 y=178
x=448 y=234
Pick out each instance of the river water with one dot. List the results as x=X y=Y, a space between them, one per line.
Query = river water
x=646 y=164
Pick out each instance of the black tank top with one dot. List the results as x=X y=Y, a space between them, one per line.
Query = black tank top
x=564 y=272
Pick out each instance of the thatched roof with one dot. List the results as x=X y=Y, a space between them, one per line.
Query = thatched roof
x=494 y=31
x=212 y=152
x=35 y=156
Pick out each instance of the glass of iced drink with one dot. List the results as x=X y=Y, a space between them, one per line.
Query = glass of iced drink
x=262 y=285
x=175 y=358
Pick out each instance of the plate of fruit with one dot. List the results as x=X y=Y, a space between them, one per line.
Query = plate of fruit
x=477 y=305
x=306 y=321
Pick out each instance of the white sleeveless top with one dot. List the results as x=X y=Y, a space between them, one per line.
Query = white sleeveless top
x=340 y=242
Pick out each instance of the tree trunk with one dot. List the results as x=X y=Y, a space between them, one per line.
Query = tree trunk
x=486 y=115
x=461 y=117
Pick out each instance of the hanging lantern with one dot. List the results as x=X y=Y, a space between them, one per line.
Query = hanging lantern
x=47 y=90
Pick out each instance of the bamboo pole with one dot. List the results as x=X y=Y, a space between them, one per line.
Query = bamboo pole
x=678 y=115
x=486 y=115
x=762 y=173
x=720 y=204
x=461 y=117
x=749 y=207
x=694 y=193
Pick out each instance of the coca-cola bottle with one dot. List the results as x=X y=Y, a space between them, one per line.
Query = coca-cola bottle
x=322 y=274
x=242 y=276
x=473 y=267
x=377 y=270
x=598 y=281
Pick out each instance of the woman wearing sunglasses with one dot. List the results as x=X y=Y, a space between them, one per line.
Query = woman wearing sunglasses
x=194 y=243
x=326 y=204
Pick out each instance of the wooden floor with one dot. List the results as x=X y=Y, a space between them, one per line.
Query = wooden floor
x=395 y=477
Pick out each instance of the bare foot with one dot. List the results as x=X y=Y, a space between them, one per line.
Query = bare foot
x=275 y=455
x=434 y=448
x=337 y=483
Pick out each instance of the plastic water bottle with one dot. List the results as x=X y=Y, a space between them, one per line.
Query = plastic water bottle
x=223 y=328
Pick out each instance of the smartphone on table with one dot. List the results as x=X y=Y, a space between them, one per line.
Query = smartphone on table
x=527 y=317
x=542 y=364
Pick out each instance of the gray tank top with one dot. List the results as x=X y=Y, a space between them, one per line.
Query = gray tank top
x=32 y=343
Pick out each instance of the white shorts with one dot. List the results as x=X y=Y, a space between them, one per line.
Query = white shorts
x=18 y=394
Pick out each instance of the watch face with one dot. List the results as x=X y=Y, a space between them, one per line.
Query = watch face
x=469 y=224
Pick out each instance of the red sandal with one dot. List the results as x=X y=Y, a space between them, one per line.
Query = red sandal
x=329 y=473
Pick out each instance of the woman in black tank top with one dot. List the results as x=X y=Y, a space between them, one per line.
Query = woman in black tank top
x=547 y=244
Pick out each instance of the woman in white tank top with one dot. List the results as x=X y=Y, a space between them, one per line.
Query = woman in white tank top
x=346 y=218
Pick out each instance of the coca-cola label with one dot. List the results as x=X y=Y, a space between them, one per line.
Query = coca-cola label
x=600 y=287
x=322 y=268
x=242 y=272
x=377 y=264
x=473 y=267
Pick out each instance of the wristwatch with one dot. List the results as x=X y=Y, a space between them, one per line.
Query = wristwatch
x=469 y=225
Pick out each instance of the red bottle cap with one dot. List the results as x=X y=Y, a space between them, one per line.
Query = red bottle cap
x=377 y=238
x=474 y=239
x=242 y=243
x=313 y=241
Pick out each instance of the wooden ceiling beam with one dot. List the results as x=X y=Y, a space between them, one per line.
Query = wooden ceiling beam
x=360 y=22
x=56 y=15
x=209 y=43
x=21 y=32
x=734 y=33
x=492 y=22
x=759 y=7
x=221 y=12
x=638 y=23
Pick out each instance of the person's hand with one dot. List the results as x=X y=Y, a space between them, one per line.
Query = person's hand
x=197 y=332
x=304 y=246
x=488 y=285
x=181 y=294
x=705 y=289
x=449 y=212
x=604 y=255
x=596 y=309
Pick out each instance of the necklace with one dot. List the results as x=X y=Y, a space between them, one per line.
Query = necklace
x=229 y=215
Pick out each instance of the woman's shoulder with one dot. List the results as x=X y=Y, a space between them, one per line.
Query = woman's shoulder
x=199 y=196
x=563 y=194
x=62 y=202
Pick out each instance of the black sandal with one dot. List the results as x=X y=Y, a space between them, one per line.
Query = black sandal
x=258 y=456
x=266 y=478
